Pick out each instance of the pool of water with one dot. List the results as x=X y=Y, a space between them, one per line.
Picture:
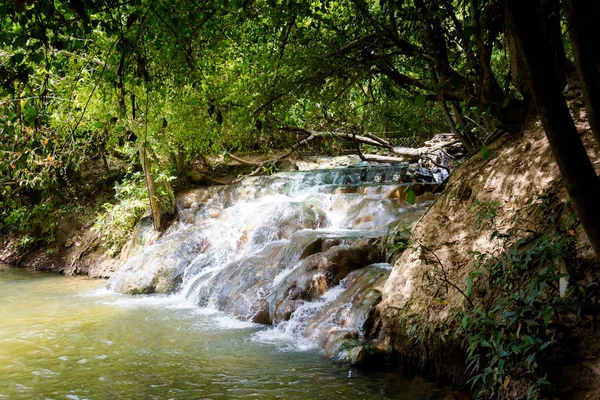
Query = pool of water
x=69 y=338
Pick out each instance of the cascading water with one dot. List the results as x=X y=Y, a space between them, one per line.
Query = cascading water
x=297 y=250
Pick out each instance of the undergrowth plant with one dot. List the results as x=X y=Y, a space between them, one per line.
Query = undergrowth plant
x=518 y=301
x=516 y=313
x=116 y=223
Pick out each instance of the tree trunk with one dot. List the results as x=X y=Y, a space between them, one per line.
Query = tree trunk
x=448 y=79
x=516 y=66
x=541 y=76
x=458 y=134
x=549 y=15
x=582 y=16
x=489 y=91
x=155 y=207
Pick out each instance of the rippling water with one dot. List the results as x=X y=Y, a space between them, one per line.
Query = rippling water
x=68 y=338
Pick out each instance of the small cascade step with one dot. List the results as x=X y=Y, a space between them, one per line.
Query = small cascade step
x=282 y=248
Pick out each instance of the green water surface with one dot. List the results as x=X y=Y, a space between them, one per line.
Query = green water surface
x=68 y=338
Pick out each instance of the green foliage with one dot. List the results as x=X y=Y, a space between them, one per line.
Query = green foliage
x=485 y=152
x=17 y=218
x=486 y=213
x=518 y=305
x=270 y=169
x=410 y=196
x=515 y=321
x=118 y=220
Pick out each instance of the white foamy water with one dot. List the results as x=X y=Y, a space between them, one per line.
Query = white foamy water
x=235 y=251
x=289 y=335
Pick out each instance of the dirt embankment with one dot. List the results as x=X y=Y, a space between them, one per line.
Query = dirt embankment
x=66 y=241
x=519 y=171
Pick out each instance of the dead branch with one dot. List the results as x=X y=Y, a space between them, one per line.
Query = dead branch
x=342 y=135
x=436 y=163
x=286 y=155
x=387 y=159
x=360 y=154
x=418 y=152
x=245 y=162
x=378 y=139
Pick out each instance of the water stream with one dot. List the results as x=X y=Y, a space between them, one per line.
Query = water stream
x=69 y=338
x=240 y=298
x=290 y=251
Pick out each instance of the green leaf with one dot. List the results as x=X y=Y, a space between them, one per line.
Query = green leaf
x=37 y=57
x=547 y=314
x=543 y=346
x=420 y=100
x=485 y=152
x=17 y=58
x=410 y=196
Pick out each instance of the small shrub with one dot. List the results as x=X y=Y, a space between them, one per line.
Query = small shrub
x=116 y=223
x=516 y=313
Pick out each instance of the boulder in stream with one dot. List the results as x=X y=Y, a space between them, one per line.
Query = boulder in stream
x=316 y=274
x=348 y=327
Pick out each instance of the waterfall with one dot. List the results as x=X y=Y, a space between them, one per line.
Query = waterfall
x=297 y=250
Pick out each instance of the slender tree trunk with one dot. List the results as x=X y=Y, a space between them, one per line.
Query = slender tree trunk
x=155 y=207
x=180 y=158
x=541 y=76
x=489 y=91
x=462 y=138
x=583 y=18
x=516 y=66
x=549 y=16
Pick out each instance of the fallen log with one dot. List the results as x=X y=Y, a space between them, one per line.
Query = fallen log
x=245 y=162
x=400 y=154
x=377 y=141
x=386 y=159
x=420 y=151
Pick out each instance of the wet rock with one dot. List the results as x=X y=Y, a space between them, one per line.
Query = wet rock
x=318 y=273
x=263 y=235
x=214 y=211
x=241 y=287
x=348 y=327
x=371 y=214
x=286 y=221
x=303 y=216
x=191 y=199
x=143 y=235
x=159 y=268
x=286 y=166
